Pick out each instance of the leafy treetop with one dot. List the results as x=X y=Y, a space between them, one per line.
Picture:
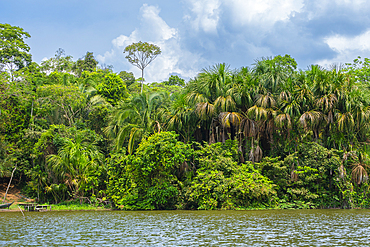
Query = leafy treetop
x=14 y=52
x=127 y=77
x=87 y=63
x=141 y=54
x=175 y=80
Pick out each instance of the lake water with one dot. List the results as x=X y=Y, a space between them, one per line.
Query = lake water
x=187 y=228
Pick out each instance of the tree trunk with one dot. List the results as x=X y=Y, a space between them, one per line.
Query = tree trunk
x=11 y=178
x=142 y=80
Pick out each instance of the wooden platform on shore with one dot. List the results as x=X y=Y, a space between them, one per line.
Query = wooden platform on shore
x=35 y=207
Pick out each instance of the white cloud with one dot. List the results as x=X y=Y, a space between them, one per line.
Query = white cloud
x=343 y=44
x=351 y=3
x=206 y=14
x=318 y=8
x=107 y=55
x=153 y=29
x=123 y=40
x=347 y=48
x=263 y=13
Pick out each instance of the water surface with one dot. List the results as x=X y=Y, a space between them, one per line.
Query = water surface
x=187 y=228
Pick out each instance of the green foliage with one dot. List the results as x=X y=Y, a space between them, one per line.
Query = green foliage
x=61 y=78
x=286 y=61
x=87 y=63
x=88 y=205
x=59 y=63
x=112 y=88
x=14 y=52
x=15 y=107
x=272 y=136
x=60 y=104
x=148 y=179
x=162 y=87
x=221 y=183
x=175 y=80
x=133 y=119
x=360 y=68
x=68 y=163
x=127 y=77
x=141 y=54
x=306 y=176
x=98 y=118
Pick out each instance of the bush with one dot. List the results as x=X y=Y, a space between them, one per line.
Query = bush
x=222 y=183
x=148 y=179
x=306 y=177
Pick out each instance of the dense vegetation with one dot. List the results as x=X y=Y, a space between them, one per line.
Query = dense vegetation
x=265 y=136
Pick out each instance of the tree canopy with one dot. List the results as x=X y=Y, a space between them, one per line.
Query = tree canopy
x=264 y=136
x=14 y=52
x=141 y=54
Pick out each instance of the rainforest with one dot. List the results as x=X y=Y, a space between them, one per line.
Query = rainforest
x=268 y=135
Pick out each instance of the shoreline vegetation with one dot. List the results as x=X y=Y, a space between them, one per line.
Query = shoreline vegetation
x=265 y=136
x=88 y=207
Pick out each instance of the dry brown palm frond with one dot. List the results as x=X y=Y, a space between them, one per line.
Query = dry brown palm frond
x=257 y=113
x=285 y=96
x=293 y=175
x=195 y=98
x=345 y=121
x=158 y=126
x=270 y=127
x=205 y=110
x=240 y=147
x=346 y=155
x=229 y=119
x=223 y=104
x=212 y=138
x=214 y=131
x=283 y=120
x=342 y=171
x=359 y=173
x=251 y=155
x=330 y=117
x=265 y=100
x=361 y=117
x=262 y=126
x=249 y=127
x=310 y=119
x=341 y=168
x=327 y=102
x=258 y=154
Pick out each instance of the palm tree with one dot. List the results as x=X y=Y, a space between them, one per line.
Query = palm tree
x=214 y=80
x=134 y=118
x=181 y=117
x=75 y=160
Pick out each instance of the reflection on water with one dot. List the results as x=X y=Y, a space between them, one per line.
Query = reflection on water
x=187 y=228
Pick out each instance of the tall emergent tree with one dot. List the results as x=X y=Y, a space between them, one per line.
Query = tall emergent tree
x=14 y=53
x=141 y=54
x=87 y=63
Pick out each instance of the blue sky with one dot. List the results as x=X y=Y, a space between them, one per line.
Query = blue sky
x=195 y=34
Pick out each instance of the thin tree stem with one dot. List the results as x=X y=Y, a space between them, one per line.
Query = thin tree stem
x=11 y=178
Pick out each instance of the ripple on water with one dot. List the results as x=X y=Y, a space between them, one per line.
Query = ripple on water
x=187 y=228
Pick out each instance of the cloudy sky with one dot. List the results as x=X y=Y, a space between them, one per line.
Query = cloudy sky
x=195 y=34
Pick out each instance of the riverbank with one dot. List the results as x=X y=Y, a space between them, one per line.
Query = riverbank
x=62 y=207
x=15 y=195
